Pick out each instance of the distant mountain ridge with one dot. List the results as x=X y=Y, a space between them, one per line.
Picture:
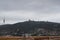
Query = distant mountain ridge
x=35 y=28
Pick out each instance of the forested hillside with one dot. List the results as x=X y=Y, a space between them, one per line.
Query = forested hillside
x=33 y=28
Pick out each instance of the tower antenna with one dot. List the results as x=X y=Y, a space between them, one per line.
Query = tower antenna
x=4 y=20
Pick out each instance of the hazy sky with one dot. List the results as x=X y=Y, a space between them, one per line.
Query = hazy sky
x=22 y=10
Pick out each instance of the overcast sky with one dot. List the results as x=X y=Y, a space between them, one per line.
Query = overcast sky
x=22 y=10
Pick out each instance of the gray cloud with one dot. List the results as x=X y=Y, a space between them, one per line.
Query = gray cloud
x=30 y=9
x=31 y=5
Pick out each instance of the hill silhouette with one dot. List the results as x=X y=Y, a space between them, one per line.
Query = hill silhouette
x=33 y=28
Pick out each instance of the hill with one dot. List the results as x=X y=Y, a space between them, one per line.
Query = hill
x=33 y=28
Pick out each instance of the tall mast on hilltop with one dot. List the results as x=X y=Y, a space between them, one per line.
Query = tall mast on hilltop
x=4 y=20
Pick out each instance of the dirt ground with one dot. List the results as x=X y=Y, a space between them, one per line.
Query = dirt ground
x=30 y=38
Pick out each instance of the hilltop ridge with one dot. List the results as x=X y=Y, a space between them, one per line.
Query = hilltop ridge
x=34 y=28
